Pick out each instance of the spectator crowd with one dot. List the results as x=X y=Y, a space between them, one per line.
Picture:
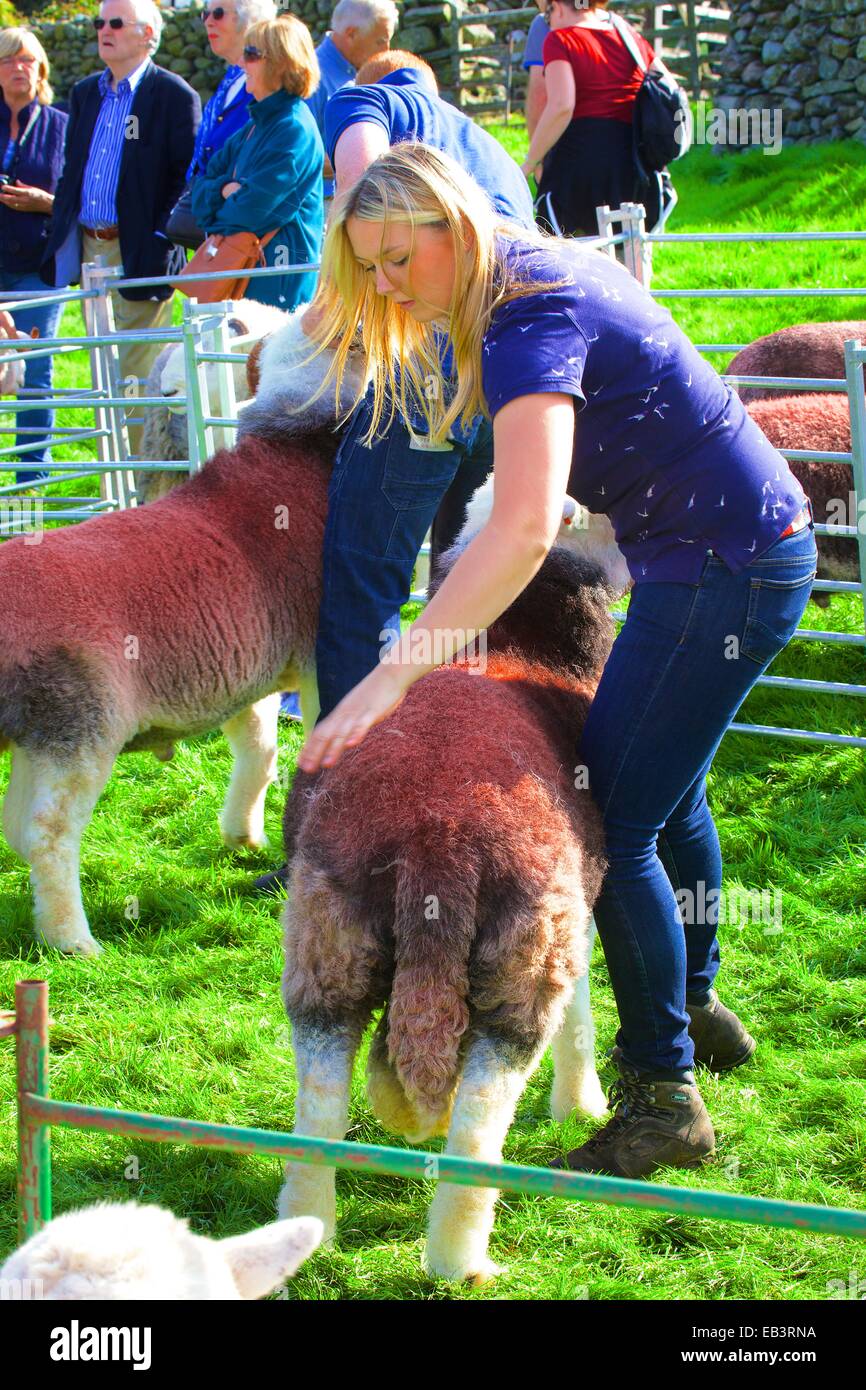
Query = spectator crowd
x=136 y=174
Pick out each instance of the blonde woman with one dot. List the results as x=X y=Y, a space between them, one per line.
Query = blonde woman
x=592 y=388
x=268 y=176
x=32 y=133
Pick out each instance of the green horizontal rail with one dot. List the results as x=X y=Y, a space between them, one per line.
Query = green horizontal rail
x=36 y=1113
x=467 y=1172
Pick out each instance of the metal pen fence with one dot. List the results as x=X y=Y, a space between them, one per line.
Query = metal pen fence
x=638 y=244
x=109 y=399
x=29 y=1025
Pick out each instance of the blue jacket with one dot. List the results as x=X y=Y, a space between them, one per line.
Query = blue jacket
x=152 y=178
x=23 y=235
x=219 y=121
x=277 y=160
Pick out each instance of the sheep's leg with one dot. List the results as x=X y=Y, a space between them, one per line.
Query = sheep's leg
x=309 y=692
x=16 y=800
x=575 y=1080
x=323 y=1063
x=461 y=1218
x=252 y=737
x=51 y=808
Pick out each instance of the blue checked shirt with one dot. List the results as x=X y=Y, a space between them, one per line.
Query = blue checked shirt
x=102 y=171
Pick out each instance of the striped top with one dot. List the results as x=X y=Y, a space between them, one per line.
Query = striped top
x=102 y=171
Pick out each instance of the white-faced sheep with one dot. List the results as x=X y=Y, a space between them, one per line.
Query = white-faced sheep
x=819 y=421
x=117 y=1251
x=447 y=868
x=138 y=628
x=804 y=350
x=164 y=434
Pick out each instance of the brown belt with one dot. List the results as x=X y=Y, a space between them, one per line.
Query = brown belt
x=102 y=233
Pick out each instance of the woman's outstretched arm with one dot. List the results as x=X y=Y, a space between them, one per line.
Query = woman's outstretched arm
x=533 y=443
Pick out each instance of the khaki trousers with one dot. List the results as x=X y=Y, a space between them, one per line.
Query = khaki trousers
x=137 y=359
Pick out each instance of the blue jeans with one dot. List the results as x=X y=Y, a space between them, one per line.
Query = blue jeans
x=683 y=662
x=381 y=503
x=37 y=372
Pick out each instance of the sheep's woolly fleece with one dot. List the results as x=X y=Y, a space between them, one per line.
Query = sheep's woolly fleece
x=118 y=1251
x=285 y=375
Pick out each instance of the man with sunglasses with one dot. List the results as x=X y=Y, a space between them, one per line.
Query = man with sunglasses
x=129 y=141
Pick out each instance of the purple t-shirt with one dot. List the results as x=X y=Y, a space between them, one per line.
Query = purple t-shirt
x=662 y=445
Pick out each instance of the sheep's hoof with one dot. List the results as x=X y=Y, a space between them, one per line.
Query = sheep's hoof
x=84 y=946
x=244 y=840
x=588 y=1098
x=488 y=1271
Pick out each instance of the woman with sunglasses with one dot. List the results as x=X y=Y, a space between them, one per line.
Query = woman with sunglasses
x=268 y=177
x=32 y=134
x=594 y=390
x=581 y=151
x=228 y=109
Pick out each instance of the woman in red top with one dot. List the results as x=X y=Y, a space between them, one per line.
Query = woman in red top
x=584 y=134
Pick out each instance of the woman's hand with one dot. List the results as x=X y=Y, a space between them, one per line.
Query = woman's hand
x=7 y=325
x=23 y=197
x=229 y=188
x=369 y=703
x=531 y=170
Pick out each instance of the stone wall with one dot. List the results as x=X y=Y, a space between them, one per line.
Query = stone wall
x=807 y=58
x=71 y=44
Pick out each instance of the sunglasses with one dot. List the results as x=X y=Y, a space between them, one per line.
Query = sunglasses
x=218 y=13
x=99 y=24
x=252 y=54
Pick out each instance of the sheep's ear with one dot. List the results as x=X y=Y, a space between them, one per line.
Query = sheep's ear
x=260 y=1260
x=253 y=366
x=237 y=327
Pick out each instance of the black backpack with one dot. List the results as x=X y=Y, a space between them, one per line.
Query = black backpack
x=662 y=116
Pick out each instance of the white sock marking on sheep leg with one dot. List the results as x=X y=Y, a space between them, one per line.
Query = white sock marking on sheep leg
x=58 y=809
x=17 y=797
x=461 y=1218
x=309 y=692
x=252 y=737
x=323 y=1063
x=575 y=1080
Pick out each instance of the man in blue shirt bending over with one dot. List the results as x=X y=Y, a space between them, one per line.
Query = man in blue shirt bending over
x=359 y=28
x=367 y=571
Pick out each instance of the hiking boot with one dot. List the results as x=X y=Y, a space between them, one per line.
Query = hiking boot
x=657 y=1121
x=721 y=1042
x=273 y=882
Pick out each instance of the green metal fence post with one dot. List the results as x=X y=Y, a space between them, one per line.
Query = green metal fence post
x=34 y=1136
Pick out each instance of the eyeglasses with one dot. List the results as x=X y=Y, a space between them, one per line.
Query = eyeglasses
x=218 y=13
x=24 y=58
x=99 y=24
x=252 y=54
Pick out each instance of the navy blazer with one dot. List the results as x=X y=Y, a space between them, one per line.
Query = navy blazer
x=37 y=162
x=152 y=178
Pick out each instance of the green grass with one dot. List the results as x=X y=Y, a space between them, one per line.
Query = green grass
x=182 y=1013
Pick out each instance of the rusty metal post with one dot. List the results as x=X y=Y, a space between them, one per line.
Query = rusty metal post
x=34 y=1151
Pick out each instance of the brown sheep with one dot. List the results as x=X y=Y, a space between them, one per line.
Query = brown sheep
x=447 y=868
x=141 y=627
x=805 y=350
x=820 y=421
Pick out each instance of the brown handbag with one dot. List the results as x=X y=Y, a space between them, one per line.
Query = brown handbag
x=233 y=254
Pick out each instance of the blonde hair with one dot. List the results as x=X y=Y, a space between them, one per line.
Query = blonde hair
x=12 y=41
x=288 y=53
x=416 y=184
